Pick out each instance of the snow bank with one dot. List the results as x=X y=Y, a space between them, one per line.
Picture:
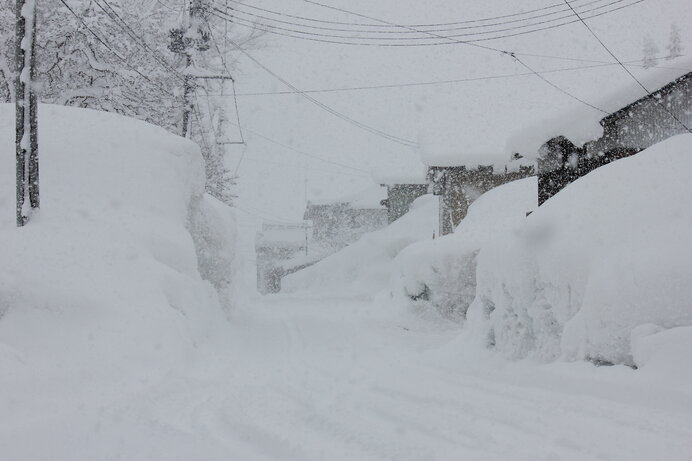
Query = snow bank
x=103 y=291
x=609 y=253
x=441 y=274
x=364 y=268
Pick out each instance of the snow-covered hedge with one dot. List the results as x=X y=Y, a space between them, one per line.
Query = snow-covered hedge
x=609 y=255
x=441 y=274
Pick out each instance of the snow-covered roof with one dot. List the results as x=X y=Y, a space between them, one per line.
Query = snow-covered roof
x=499 y=161
x=409 y=170
x=287 y=237
x=469 y=160
x=582 y=124
x=369 y=198
x=391 y=180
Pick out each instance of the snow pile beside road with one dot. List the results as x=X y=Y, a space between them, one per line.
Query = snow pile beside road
x=101 y=292
x=441 y=274
x=364 y=268
x=608 y=254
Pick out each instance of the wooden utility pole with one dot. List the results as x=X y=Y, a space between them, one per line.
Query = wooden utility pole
x=182 y=42
x=188 y=88
x=26 y=140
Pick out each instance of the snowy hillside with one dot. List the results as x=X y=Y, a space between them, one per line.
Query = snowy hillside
x=102 y=292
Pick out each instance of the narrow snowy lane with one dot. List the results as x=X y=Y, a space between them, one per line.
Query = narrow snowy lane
x=338 y=379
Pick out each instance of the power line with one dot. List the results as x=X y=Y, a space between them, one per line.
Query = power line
x=503 y=52
x=544 y=18
x=625 y=68
x=324 y=107
x=345 y=40
x=303 y=167
x=477 y=20
x=301 y=152
x=439 y=82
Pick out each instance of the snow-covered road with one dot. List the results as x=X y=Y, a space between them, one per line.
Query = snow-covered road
x=336 y=379
x=339 y=379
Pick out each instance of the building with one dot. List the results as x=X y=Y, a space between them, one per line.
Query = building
x=401 y=193
x=633 y=127
x=459 y=182
x=340 y=222
x=275 y=244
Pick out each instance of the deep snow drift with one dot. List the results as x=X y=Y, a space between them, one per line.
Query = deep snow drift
x=598 y=267
x=103 y=291
x=441 y=274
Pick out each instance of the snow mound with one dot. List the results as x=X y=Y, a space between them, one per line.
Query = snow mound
x=363 y=269
x=104 y=290
x=441 y=274
x=609 y=253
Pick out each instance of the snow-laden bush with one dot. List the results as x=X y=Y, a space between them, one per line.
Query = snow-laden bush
x=441 y=274
x=609 y=253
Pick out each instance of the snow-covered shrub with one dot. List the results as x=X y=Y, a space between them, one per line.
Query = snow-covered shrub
x=610 y=252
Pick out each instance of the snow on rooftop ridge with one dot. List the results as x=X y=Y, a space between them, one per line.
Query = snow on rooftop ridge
x=500 y=161
x=394 y=179
x=582 y=124
x=289 y=237
x=405 y=172
x=369 y=198
x=470 y=160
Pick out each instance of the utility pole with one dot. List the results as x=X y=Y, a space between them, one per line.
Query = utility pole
x=26 y=141
x=305 y=223
x=182 y=42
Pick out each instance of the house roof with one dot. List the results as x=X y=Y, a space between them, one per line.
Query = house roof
x=281 y=238
x=499 y=161
x=369 y=198
x=583 y=123
x=654 y=94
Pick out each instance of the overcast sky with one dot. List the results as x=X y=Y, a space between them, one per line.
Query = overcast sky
x=474 y=116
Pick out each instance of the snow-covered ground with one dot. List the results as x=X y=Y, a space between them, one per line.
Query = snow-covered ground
x=333 y=378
